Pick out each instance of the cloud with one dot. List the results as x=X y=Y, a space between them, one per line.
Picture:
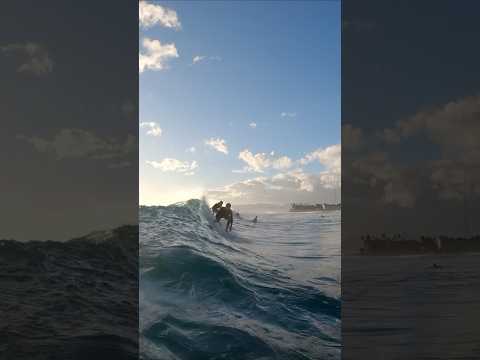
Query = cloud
x=281 y=163
x=78 y=143
x=153 y=128
x=151 y=14
x=191 y=149
x=33 y=58
x=218 y=144
x=330 y=157
x=174 y=165
x=262 y=161
x=202 y=58
x=293 y=186
x=197 y=59
x=454 y=126
x=452 y=130
x=253 y=125
x=156 y=55
x=255 y=162
x=288 y=114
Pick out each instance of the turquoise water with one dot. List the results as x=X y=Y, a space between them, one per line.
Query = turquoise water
x=269 y=290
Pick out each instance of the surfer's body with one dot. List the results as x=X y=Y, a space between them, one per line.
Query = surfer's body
x=225 y=212
x=217 y=206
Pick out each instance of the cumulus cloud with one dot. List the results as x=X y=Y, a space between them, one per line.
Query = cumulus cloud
x=292 y=186
x=218 y=144
x=283 y=162
x=78 y=143
x=33 y=58
x=330 y=157
x=261 y=161
x=174 y=165
x=253 y=125
x=454 y=126
x=453 y=129
x=288 y=114
x=152 y=14
x=255 y=162
x=153 y=128
x=155 y=55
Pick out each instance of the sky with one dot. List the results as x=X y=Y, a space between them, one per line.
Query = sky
x=239 y=101
x=410 y=105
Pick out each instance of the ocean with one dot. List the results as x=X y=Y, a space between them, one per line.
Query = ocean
x=269 y=290
x=75 y=299
x=401 y=307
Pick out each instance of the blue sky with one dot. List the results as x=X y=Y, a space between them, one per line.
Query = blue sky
x=266 y=82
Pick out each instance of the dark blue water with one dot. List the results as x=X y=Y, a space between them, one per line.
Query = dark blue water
x=269 y=290
x=75 y=300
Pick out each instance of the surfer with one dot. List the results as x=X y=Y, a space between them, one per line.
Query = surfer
x=217 y=206
x=225 y=212
x=255 y=220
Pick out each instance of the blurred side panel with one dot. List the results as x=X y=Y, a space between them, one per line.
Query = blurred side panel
x=410 y=180
x=69 y=179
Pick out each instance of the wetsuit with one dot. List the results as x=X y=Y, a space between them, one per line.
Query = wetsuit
x=225 y=213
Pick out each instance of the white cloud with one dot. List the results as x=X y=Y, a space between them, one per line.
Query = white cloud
x=330 y=157
x=282 y=163
x=288 y=114
x=191 y=149
x=174 y=165
x=293 y=186
x=197 y=59
x=262 y=161
x=78 y=143
x=153 y=128
x=202 y=58
x=151 y=14
x=156 y=55
x=218 y=144
x=255 y=162
x=253 y=125
x=33 y=58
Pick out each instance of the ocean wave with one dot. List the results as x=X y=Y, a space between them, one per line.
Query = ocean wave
x=205 y=294
x=70 y=300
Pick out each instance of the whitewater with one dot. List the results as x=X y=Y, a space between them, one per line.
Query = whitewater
x=269 y=290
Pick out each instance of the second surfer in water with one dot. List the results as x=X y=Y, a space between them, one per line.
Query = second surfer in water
x=226 y=213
